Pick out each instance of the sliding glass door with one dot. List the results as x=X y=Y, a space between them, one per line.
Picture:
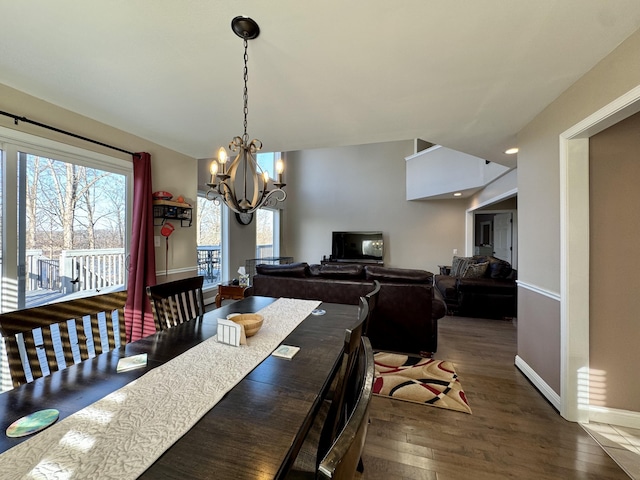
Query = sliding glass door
x=69 y=209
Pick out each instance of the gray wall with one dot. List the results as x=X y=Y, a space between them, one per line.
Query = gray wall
x=362 y=188
x=539 y=199
x=615 y=229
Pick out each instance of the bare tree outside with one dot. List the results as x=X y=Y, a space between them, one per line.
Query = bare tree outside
x=264 y=227
x=72 y=206
x=75 y=227
x=209 y=223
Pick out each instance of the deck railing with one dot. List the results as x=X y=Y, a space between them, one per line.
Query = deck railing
x=80 y=270
x=91 y=269
x=209 y=263
x=75 y=270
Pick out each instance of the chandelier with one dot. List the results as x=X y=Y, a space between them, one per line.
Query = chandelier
x=243 y=185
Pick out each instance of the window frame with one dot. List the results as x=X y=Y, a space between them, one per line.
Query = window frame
x=14 y=142
x=224 y=244
x=275 y=240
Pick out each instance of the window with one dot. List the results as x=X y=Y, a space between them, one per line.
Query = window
x=267 y=220
x=209 y=237
x=267 y=162
x=70 y=209
x=264 y=233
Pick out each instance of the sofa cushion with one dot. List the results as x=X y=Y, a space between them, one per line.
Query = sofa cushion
x=299 y=269
x=448 y=288
x=314 y=270
x=475 y=270
x=459 y=265
x=398 y=275
x=341 y=271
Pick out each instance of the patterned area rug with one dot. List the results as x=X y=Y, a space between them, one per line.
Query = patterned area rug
x=419 y=380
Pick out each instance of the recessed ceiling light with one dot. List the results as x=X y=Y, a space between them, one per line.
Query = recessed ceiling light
x=511 y=151
x=457 y=194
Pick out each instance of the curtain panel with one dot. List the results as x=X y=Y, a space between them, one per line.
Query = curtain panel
x=142 y=266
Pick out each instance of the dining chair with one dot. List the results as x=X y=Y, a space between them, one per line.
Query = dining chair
x=44 y=339
x=372 y=302
x=174 y=303
x=344 y=457
x=341 y=395
x=332 y=416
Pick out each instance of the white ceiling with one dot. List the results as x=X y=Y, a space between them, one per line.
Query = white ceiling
x=464 y=74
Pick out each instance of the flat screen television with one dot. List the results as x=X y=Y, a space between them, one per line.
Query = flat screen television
x=367 y=247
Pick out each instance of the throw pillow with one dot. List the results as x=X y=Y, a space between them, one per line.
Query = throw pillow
x=499 y=269
x=459 y=265
x=475 y=270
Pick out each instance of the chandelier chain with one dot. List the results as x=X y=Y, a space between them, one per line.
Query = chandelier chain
x=246 y=91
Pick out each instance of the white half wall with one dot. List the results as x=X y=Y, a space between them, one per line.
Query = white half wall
x=438 y=172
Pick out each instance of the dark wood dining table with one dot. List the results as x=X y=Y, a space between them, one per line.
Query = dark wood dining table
x=254 y=431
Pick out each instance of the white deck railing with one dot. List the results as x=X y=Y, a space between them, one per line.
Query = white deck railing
x=75 y=270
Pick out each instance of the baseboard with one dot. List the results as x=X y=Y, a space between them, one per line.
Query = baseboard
x=610 y=416
x=537 y=381
x=613 y=416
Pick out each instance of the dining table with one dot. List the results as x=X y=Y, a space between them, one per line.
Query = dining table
x=253 y=430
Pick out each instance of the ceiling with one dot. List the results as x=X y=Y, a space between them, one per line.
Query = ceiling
x=466 y=75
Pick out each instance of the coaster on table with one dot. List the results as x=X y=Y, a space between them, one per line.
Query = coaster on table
x=129 y=363
x=32 y=423
x=285 y=351
x=318 y=311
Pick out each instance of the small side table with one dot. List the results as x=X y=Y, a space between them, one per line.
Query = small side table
x=227 y=291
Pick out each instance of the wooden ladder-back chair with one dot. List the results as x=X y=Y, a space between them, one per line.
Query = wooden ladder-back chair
x=176 y=302
x=341 y=457
x=72 y=330
x=331 y=417
x=372 y=302
x=344 y=457
x=342 y=396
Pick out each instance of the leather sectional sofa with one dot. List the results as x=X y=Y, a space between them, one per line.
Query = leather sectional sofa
x=408 y=309
x=492 y=294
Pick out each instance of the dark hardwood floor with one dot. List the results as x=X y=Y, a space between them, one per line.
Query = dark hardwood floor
x=513 y=431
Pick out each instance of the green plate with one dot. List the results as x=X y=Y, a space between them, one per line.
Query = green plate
x=32 y=423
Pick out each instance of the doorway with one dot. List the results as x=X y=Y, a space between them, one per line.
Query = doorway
x=495 y=230
x=574 y=256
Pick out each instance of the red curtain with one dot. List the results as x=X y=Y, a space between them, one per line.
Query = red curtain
x=138 y=316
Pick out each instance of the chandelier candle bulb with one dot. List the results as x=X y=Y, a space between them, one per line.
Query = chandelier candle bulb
x=214 y=170
x=222 y=158
x=279 y=169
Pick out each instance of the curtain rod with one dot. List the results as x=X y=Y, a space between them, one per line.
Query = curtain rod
x=17 y=118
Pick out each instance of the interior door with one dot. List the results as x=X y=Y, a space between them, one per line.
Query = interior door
x=503 y=236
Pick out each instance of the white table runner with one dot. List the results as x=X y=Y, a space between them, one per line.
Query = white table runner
x=120 y=436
